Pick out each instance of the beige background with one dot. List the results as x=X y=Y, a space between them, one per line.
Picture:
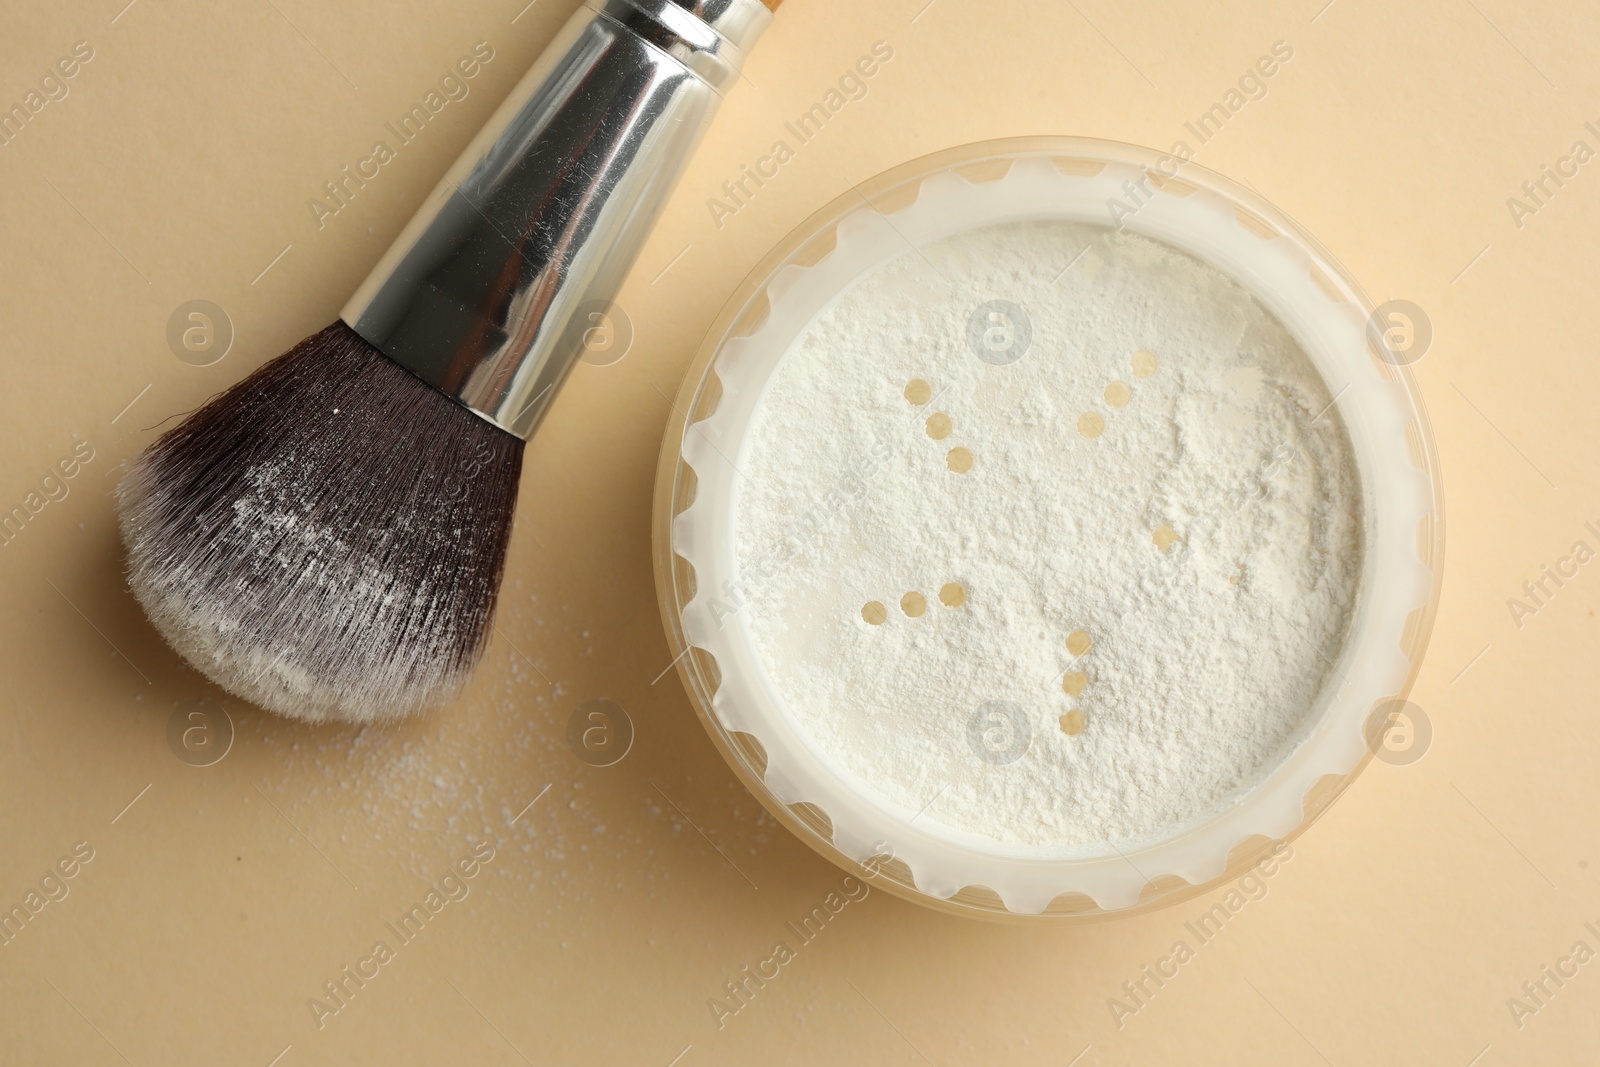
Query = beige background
x=216 y=905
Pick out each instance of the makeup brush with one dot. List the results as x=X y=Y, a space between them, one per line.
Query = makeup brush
x=326 y=538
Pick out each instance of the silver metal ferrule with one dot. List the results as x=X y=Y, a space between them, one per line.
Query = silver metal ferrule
x=485 y=295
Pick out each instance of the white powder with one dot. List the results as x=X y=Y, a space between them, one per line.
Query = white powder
x=1206 y=540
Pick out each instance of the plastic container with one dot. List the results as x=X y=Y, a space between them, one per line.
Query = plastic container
x=978 y=185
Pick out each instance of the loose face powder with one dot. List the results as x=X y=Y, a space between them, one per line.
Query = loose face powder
x=1048 y=533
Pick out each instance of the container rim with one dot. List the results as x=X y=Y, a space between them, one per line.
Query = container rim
x=700 y=391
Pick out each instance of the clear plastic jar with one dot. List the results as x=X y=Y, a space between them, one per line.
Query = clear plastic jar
x=981 y=185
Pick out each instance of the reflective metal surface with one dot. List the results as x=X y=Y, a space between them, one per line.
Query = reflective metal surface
x=486 y=294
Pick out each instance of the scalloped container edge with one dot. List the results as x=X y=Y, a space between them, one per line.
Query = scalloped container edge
x=986 y=184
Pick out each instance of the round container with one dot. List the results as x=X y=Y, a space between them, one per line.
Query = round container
x=1346 y=339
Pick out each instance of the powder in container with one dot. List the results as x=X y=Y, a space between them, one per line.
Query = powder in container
x=1057 y=557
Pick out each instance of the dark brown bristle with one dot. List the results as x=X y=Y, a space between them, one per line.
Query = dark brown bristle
x=326 y=538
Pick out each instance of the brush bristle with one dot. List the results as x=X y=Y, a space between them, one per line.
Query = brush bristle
x=326 y=538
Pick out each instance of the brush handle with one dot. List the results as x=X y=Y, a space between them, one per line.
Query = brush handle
x=486 y=294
